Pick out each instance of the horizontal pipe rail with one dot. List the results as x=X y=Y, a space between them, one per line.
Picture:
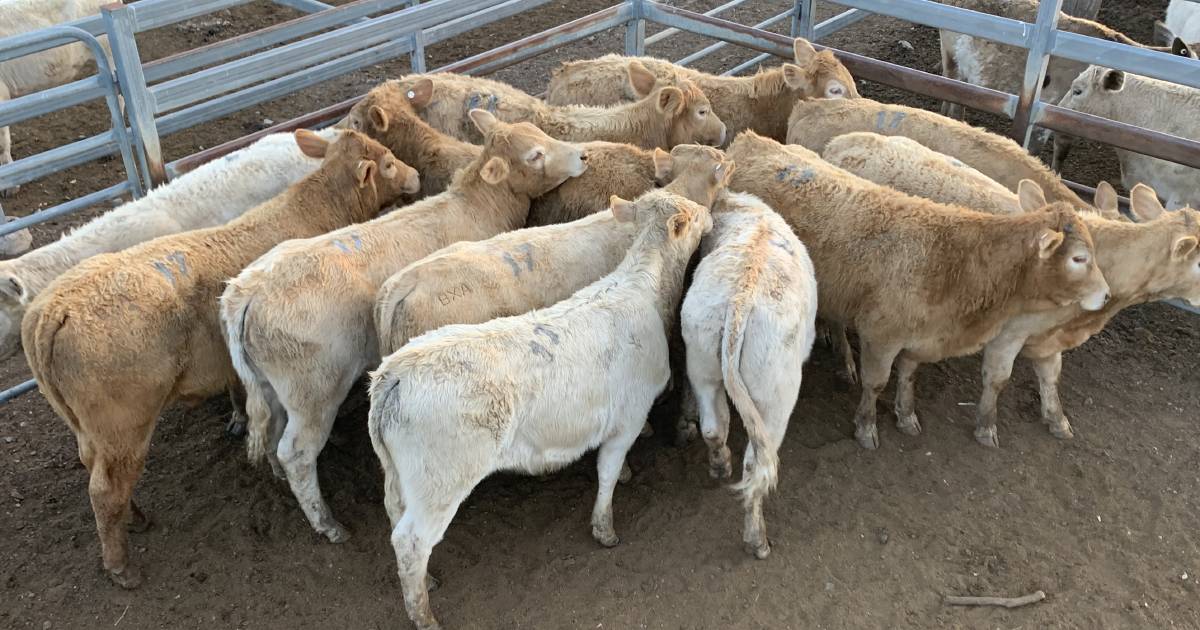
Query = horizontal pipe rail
x=100 y=196
x=665 y=33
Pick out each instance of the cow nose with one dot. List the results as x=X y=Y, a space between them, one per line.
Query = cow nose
x=583 y=156
x=1107 y=296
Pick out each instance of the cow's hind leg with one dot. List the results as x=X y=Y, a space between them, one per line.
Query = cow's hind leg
x=236 y=427
x=875 y=366
x=608 y=468
x=906 y=396
x=1048 y=370
x=714 y=424
x=115 y=467
x=308 y=427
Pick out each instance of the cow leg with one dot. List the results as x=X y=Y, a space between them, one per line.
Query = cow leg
x=6 y=155
x=842 y=343
x=906 y=396
x=236 y=427
x=875 y=366
x=307 y=431
x=1048 y=370
x=998 y=358
x=413 y=539
x=714 y=425
x=115 y=469
x=608 y=469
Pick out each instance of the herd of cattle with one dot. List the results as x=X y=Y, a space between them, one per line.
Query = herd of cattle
x=511 y=270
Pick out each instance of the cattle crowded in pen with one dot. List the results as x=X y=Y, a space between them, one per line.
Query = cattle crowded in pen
x=508 y=272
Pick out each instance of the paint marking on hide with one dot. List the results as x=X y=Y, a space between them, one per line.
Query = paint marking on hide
x=880 y=119
x=340 y=245
x=540 y=350
x=795 y=175
x=897 y=118
x=525 y=255
x=358 y=244
x=162 y=268
x=545 y=331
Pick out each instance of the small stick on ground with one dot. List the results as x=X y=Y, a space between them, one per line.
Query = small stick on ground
x=1007 y=602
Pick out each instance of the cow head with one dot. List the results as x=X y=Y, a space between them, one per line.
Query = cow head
x=1175 y=250
x=818 y=74
x=14 y=299
x=696 y=172
x=687 y=114
x=1065 y=268
x=523 y=158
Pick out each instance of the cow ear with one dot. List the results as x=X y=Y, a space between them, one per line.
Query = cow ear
x=641 y=78
x=677 y=224
x=363 y=172
x=662 y=165
x=1030 y=195
x=13 y=289
x=310 y=143
x=420 y=94
x=794 y=76
x=484 y=120
x=1112 y=80
x=1183 y=247
x=1048 y=242
x=1144 y=203
x=670 y=101
x=803 y=52
x=1179 y=47
x=494 y=171
x=379 y=118
x=1105 y=199
x=623 y=211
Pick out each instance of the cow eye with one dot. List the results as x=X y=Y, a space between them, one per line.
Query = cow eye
x=1077 y=91
x=1080 y=260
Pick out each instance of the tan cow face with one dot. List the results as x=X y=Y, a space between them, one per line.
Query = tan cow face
x=696 y=172
x=689 y=116
x=373 y=165
x=818 y=74
x=524 y=158
x=1178 y=273
x=1067 y=272
x=676 y=219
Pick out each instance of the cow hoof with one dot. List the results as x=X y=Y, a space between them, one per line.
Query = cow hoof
x=9 y=192
x=607 y=538
x=647 y=431
x=626 y=474
x=987 y=436
x=236 y=427
x=720 y=467
x=1062 y=431
x=337 y=534
x=431 y=583
x=759 y=550
x=868 y=438
x=908 y=425
x=850 y=375
x=128 y=578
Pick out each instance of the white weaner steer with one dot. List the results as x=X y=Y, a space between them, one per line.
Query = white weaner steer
x=748 y=320
x=530 y=393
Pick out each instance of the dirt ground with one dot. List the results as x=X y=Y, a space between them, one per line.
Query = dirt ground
x=1104 y=524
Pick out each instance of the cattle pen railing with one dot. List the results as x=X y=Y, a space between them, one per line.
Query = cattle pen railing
x=360 y=41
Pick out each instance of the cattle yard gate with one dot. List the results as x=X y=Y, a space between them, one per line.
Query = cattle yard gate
x=206 y=83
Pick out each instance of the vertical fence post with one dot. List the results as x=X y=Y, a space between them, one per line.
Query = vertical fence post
x=635 y=30
x=1039 y=41
x=417 y=56
x=803 y=19
x=139 y=104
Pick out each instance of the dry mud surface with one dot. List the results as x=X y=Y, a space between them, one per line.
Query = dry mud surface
x=1104 y=524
